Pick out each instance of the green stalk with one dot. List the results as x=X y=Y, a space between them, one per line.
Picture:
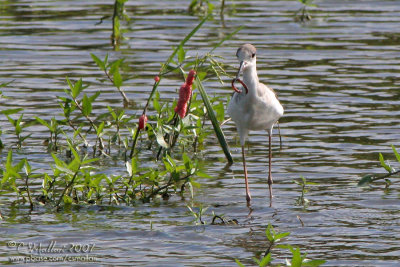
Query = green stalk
x=164 y=66
x=171 y=57
x=217 y=129
x=67 y=187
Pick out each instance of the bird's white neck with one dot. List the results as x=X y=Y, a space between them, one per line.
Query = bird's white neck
x=250 y=78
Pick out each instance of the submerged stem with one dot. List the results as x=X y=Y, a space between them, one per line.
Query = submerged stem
x=68 y=186
x=28 y=192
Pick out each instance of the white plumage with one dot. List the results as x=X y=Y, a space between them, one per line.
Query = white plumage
x=257 y=109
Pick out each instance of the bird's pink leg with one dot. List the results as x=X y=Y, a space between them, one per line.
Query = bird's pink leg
x=269 y=171
x=248 y=197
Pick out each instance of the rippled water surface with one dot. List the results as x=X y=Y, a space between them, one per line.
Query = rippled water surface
x=337 y=76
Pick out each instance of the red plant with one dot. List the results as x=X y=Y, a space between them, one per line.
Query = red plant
x=157 y=79
x=185 y=92
x=142 y=121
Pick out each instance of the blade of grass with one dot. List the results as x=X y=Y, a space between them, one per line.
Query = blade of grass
x=229 y=36
x=171 y=57
x=164 y=66
x=214 y=121
x=383 y=163
x=396 y=153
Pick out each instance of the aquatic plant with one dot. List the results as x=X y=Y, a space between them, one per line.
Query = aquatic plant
x=302 y=14
x=297 y=259
x=302 y=200
x=201 y=218
x=201 y=7
x=18 y=126
x=88 y=135
x=118 y=15
x=392 y=172
x=112 y=72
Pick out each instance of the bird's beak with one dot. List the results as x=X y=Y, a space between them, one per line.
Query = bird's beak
x=240 y=69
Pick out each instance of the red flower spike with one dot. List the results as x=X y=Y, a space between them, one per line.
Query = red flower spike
x=157 y=79
x=185 y=92
x=142 y=121
x=181 y=109
x=190 y=77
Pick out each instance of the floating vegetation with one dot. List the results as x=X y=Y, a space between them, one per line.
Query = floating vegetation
x=297 y=259
x=302 y=14
x=118 y=15
x=201 y=7
x=392 y=172
x=302 y=200
x=199 y=215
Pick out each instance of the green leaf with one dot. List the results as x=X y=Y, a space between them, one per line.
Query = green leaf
x=156 y=105
x=181 y=54
x=160 y=139
x=11 y=111
x=365 y=180
x=87 y=161
x=11 y=120
x=256 y=261
x=279 y=236
x=229 y=36
x=313 y=263
x=181 y=44
x=116 y=31
x=5 y=84
x=98 y=61
x=265 y=260
x=67 y=199
x=71 y=86
x=114 y=66
x=128 y=166
x=74 y=152
x=27 y=167
x=269 y=233
x=383 y=163
x=239 y=263
x=186 y=161
x=117 y=78
x=134 y=164
x=57 y=161
x=112 y=112
x=100 y=129
x=396 y=153
x=214 y=121
x=65 y=169
x=94 y=97
x=86 y=106
x=203 y=174
x=296 y=259
x=202 y=75
x=41 y=121
x=77 y=88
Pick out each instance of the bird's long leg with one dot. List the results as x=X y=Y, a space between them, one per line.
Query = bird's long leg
x=248 y=197
x=280 y=136
x=270 y=163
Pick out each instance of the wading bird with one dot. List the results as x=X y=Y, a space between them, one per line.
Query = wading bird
x=255 y=107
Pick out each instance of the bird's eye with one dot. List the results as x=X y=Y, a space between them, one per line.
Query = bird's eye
x=253 y=55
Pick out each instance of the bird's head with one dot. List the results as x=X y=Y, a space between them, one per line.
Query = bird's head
x=246 y=55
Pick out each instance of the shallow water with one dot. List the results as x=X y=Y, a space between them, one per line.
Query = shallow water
x=337 y=77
